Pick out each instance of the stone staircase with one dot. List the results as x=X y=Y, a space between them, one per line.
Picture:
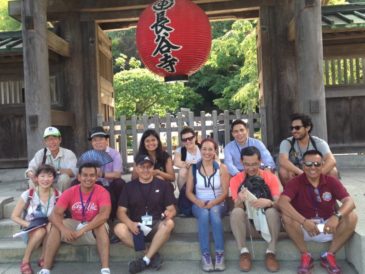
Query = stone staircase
x=181 y=253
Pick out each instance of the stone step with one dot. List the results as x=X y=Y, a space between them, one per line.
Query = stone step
x=172 y=267
x=182 y=225
x=180 y=247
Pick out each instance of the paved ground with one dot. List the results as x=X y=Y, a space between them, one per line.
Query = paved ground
x=176 y=267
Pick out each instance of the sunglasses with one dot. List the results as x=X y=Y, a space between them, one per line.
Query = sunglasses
x=187 y=139
x=310 y=164
x=295 y=127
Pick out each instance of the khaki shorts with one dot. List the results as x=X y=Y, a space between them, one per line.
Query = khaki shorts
x=87 y=239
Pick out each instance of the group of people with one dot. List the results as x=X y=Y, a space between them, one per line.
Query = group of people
x=83 y=202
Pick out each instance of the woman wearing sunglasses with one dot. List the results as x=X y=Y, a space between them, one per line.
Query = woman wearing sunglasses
x=207 y=189
x=187 y=154
x=151 y=145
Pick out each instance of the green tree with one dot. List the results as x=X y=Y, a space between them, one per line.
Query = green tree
x=230 y=75
x=139 y=91
x=6 y=22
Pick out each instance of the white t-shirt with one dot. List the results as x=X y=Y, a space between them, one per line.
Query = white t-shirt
x=193 y=158
x=36 y=207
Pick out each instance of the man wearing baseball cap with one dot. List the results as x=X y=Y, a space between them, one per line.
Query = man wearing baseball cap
x=145 y=202
x=109 y=175
x=62 y=159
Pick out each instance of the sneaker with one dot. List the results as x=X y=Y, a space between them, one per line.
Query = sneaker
x=329 y=262
x=105 y=271
x=219 y=262
x=44 y=271
x=137 y=266
x=306 y=264
x=206 y=263
x=156 y=261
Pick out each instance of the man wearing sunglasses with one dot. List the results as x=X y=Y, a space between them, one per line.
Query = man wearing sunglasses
x=309 y=212
x=293 y=148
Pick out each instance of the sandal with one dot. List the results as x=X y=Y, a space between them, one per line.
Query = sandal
x=26 y=268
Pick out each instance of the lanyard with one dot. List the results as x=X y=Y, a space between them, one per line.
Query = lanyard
x=239 y=148
x=208 y=184
x=316 y=198
x=85 y=207
x=300 y=151
x=53 y=162
x=145 y=199
x=40 y=202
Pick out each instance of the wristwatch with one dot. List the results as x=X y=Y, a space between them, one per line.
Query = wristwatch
x=338 y=215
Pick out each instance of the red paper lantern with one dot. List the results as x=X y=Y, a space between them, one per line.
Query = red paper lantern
x=173 y=38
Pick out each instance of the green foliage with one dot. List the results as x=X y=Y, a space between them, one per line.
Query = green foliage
x=337 y=2
x=231 y=71
x=139 y=91
x=6 y=22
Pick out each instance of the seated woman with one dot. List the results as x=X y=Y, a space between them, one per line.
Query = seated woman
x=207 y=189
x=187 y=154
x=36 y=203
x=151 y=145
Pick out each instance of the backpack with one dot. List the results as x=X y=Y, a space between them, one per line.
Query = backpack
x=31 y=196
x=293 y=157
x=183 y=203
x=257 y=186
x=184 y=152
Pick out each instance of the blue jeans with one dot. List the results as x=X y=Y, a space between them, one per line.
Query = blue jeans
x=214 y=217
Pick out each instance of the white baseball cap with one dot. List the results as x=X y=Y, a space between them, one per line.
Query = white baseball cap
x=51 y=131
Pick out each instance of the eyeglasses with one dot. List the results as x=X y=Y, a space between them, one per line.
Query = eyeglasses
x=318 y=195
x=187 y=138
x=295 y=127
x=310 y=164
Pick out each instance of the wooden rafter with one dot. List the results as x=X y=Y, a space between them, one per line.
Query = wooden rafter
x=105 y=11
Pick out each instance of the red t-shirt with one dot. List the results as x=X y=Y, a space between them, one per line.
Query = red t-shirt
x=270 y=179
x=304 y=199
x=70 y=199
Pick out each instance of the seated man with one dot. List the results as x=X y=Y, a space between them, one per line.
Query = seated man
x=292 y=149
x=308 y=206
x=251 y=160
x=148 y=201
x=232 y=151
x=89 y=205
x=109 y=175
x=62 y=159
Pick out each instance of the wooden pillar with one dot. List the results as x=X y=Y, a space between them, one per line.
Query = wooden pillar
x=74 y=79
x=278 y=78
x=309 y=52
x=36 y=72
x=91 y=72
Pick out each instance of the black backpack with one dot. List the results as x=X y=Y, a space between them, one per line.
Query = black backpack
x=293 y=156
x=257 y=186
x=183 y=203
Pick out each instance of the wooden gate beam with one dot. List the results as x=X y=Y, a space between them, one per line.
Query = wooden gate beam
x=36 y=72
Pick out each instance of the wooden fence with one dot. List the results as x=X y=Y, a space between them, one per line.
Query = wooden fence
x=126 y=133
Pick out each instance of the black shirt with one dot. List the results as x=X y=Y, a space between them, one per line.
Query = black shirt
x=152 y=198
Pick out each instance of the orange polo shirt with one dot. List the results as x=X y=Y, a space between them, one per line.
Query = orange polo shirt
x=270 y=179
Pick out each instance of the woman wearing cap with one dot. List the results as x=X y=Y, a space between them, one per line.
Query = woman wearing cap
x=207 y=189
x=187 y=154
x=62 y=159
x=36 y=203
x=151 y=145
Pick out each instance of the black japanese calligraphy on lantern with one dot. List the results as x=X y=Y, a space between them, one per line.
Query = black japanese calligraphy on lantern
x=164 y=47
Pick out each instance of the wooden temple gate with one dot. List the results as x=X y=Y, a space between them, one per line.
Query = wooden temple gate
x=289 y=52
